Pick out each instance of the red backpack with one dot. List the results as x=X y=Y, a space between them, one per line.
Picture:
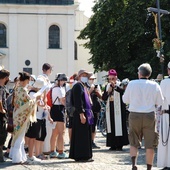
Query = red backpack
x=49 y=97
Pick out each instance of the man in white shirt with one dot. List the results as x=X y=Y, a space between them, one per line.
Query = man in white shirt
x=47 y=69
x=142 y=95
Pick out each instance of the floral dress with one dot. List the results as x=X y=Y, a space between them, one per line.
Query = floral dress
x=24 y=108
x=24 y=112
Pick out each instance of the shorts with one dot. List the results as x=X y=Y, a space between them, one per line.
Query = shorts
x=31 y=133
x=143 y=125
x=57 y=113
x=3 y=132
x=95 y=122
x=41 y=129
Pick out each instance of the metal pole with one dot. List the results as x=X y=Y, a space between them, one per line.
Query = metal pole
x=160 y=36
x=159 y=20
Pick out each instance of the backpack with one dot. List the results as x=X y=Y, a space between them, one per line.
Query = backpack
x=96 y=107
x=49 y=97
x=10 y=107
x=69 y=103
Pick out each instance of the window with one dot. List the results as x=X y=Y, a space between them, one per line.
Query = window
x=75 y=50
x=54 y=36
x=2 y=35
x=28 y=70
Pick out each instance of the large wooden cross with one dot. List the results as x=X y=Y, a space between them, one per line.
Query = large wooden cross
x=158 y=43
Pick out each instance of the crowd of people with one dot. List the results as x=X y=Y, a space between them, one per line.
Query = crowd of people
x=35 y=113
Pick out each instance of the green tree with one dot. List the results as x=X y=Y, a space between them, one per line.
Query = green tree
x=120 y=36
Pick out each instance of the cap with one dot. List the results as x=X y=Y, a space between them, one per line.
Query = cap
x=112 y=72
x=46 y=66
x=39 y=83
x=92 y=77
x=61 y=77
x=169 y=65
x=84 y=71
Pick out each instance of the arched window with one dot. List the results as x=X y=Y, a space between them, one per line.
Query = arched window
x=54 y=36
x=2 y=35
x=75 y=51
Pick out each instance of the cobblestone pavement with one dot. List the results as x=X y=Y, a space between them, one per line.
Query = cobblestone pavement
x=103 y=160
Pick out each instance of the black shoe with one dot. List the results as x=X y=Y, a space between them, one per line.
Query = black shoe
x=134 y=168
x=89 y=160
x=84 y=160
x=119 y=149
x=94 y=146
x=112 y=148
x=166 y=168
x=6 y=154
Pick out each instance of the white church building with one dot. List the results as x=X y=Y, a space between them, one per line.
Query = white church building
x=33 y=32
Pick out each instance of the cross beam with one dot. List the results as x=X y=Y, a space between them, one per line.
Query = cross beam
x=162 y=11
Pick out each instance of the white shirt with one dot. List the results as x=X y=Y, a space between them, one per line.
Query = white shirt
x=59 y=92
x=142 y=95
x=47 y=81
x=165 y=87
x=40 y=110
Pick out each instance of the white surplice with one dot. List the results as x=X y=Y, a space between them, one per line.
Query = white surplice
x=163 y=155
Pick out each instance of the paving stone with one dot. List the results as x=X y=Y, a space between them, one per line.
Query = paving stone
x=103 y=160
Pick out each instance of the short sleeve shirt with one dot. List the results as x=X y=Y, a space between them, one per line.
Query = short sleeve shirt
x=59 y=92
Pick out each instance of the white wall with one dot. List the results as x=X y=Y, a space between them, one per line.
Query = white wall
x=83 y=54
x=27 y=37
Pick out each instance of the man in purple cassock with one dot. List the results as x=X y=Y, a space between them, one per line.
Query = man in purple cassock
x=81 y=145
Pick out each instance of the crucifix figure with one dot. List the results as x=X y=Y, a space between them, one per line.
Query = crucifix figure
x=157 y=42
x=157 y=13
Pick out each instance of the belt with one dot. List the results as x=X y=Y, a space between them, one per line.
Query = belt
x=165 y=111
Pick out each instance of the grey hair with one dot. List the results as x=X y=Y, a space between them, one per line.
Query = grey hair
x=145 y=70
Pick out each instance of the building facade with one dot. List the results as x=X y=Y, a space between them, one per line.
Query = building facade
x=33 y=32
